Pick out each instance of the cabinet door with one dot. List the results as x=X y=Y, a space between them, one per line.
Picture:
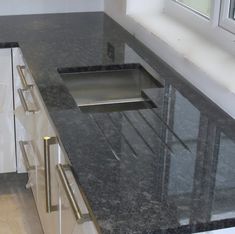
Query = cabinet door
x=24 y=120
x=46 y=143
x=32 y=164
x=25 y=109
x=32 y=128
x=74 y=215
x=7 y=138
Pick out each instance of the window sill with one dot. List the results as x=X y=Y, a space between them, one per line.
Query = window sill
x=207 y=66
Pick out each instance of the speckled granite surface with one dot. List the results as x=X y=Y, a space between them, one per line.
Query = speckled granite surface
x=164 y=170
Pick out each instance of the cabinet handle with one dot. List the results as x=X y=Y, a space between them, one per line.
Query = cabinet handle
x=23 y=101
x=48 y=141
x=20 y=69
x=81 y=218
x=24 y=154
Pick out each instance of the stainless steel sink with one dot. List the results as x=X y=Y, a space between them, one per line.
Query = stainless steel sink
x=112 y=89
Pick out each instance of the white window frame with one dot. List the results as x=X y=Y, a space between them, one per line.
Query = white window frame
x=209 y=27
x=225 y=21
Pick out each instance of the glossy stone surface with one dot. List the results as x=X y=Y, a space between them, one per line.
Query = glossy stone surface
x=165 y=170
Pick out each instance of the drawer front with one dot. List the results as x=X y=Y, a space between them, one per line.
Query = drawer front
x=7 y=138
x=24 y=122
x=47 y=152
x=48 y=214
x=32 y=128
x=30 y=156
x=74 y=220
x=24 y=105
x=6 y=94
x=22 y=76
x=7 y=143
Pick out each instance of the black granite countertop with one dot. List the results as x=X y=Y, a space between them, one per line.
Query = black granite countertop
x=173 y=171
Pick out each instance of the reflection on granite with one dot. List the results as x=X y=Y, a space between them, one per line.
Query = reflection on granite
x=168 y=169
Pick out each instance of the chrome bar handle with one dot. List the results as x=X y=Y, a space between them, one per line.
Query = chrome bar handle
x=20 y=69
x=24 y=154
x=48 y=141
x=81 y=218
x=23 y=101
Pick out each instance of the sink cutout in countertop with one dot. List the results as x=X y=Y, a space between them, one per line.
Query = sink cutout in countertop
x=110 y=88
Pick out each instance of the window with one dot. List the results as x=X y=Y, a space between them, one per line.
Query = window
x=227 y=16
x=202 y=7
x=215 y=19
x=219 y=13
x=232 y=10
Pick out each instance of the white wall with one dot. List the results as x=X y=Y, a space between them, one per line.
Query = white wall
x=137 y=6
x=18 y=7
x=118 y=9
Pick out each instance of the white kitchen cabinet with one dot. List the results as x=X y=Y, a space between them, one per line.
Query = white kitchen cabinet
x=7 y=137
x=24 y=106
x=46 y=143
x=73 y=211
x=32 y=127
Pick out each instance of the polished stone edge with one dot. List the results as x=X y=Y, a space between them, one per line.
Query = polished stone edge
x=110 y=67
x=8 y=45
x=12 y=176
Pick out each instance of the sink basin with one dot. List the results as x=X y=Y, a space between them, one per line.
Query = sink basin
x=109 y=88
